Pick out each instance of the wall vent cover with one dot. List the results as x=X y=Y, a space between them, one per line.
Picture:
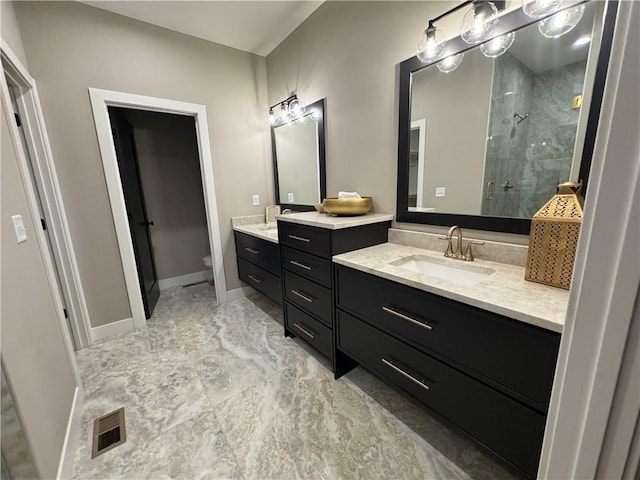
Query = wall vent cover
x=108 y=432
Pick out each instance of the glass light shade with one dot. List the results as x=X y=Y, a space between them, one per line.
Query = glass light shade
x=272 y=117
x=283 y=112
x=430 y=45
x=479 y=23
x=497 y=46
x=562 y=22
x=450 y=63
x=541 y=8
x=296 y=108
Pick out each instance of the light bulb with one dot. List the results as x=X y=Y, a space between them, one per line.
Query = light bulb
x=430 y=48
x=296 y=108
x=562 y=22
x=541 y=8
x=272 y=117
x=497 y=46
x=450 y=63
x=582 y=41
x=479 y=23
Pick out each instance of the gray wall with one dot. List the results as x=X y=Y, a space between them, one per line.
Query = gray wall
x=170 y=169
x=456 y=107
x=349 y=53
x=33 y=350
x=71 y=47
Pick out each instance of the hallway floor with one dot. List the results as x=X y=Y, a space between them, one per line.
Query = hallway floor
x=217 y=391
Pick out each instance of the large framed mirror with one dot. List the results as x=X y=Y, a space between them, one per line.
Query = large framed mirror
x=484 y=145
x=299 y=160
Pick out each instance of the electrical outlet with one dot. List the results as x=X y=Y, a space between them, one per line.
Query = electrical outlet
x=439 y=191
x=290 y=197
x=256 y=200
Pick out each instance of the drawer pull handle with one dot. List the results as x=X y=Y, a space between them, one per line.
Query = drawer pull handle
x=302 y=296
x=301 y=265
x=255 y=279
x=304 y=330
x=408 y=319
x=251 y=250
x=390 y=364
x=301 y=239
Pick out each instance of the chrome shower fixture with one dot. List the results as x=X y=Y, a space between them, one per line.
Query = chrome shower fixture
x=521 y=118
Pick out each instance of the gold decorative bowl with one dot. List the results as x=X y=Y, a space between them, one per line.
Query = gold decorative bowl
x=348 y=207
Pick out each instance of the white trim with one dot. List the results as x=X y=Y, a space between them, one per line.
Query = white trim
x=49 y=189
x=65 y=467
x=39 y=234
x=187 y=279
x=421 y=125
x=241 y=292
x=100 y=101
x=113 y=329
x=606 y=276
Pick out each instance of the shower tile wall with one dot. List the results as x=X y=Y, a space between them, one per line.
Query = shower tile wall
x=536 y=153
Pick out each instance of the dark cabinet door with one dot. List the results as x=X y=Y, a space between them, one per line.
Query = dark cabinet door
x=136 y=210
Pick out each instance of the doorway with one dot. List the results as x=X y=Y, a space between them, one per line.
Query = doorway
x=159 y=168
x=101 y=100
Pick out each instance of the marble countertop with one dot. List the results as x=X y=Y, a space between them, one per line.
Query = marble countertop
x=264 y=231
x=332 y=222
x=505 y=291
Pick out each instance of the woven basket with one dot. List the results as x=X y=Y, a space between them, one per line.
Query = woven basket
x=553 y=239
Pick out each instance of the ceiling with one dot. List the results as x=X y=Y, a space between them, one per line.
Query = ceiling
x=253 y=26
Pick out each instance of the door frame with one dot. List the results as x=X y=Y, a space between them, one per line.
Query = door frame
x=100 y=101
x=48 y=186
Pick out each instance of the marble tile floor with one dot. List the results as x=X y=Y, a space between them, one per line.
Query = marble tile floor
x=217 y=391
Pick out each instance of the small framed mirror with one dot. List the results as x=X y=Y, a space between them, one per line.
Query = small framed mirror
x=484 y=140
x=299 y=159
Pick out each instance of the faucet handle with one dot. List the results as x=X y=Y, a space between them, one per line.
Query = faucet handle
x=468 y=256
x=449 y=251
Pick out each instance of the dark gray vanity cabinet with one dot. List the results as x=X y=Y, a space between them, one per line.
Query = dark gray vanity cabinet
x=307 y=279
x=259 y=265
x=489 y=375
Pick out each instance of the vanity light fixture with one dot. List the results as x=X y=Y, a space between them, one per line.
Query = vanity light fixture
x=478 y=25
x=562 y=22
x=541 y=8
x=287 y=110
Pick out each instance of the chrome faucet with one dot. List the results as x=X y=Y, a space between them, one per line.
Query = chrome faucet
x=457 y=253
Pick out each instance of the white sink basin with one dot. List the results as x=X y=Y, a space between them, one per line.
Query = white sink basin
x=444 y=268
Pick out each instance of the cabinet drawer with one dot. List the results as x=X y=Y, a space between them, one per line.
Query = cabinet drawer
x=506 y=426
x=308 y=295
x=316 y=241
x=309 y=266
x=308 y=328
x=260 y=252
x=511 y=355
x=263 y=281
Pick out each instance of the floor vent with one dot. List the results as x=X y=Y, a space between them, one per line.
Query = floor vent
x=108 y=432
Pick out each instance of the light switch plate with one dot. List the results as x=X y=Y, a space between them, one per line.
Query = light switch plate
x=256 y=200
x=440 y=191
x=18 y=226
x=290 y=197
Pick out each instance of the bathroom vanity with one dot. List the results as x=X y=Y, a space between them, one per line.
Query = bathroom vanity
x=479 y=349
x=258 y=258
x=308 y=240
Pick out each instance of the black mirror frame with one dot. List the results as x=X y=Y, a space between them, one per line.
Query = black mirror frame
x=319 y=106
x=510 y=21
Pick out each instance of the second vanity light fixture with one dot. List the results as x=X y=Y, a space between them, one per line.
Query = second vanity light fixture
x=480 y=22
x=286 y=111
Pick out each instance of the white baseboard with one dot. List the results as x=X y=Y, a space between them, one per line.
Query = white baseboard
x=65 y=467
x=112 y=329
x=241 y=292
x=189 y=278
